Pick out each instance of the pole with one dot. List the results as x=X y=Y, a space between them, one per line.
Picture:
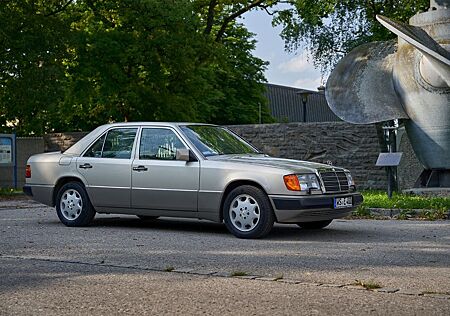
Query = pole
x=15 y=160
x=260 y=118
x=304 y=111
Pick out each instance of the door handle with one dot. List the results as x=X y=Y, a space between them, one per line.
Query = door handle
x=140 y=168
x=85 y=166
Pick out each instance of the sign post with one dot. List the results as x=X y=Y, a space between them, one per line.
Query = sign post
x=8 y=154
x=389 y=160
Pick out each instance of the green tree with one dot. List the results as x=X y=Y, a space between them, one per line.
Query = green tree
x=78 y=64
x=329 y=29
x=31 y=74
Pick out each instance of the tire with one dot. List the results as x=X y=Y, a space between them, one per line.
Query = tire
x=147 y=218
x=315 y=225
x=248 y=224
x=73 y=205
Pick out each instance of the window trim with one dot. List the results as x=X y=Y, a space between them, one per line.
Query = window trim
x=199 y=152
x=137 y=128
x=138 y=145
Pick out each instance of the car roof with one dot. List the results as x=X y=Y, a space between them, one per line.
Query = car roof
x=81 y=145
x=153 y=123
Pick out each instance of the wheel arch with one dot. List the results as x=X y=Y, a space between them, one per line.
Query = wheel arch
x=61 y=181
x=233 y=185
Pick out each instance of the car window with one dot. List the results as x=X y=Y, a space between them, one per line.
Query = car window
x=216 y=140
x=159 y=143
x=96 y=149
x=119 y=143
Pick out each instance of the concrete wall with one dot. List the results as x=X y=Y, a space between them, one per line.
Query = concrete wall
x=355 y=147
x=26 y=146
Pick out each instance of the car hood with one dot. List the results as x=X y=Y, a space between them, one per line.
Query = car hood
x=281 y=163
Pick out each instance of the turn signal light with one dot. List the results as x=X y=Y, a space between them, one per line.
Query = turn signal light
x=28 y=172
x=291 y=182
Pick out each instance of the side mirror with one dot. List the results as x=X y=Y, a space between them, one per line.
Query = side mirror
x=183 y=154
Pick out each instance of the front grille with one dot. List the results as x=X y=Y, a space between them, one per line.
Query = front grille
x=334 y=181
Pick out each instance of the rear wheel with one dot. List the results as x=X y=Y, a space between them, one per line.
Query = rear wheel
x=315 y=225
x=73 y=205
x=247 y=212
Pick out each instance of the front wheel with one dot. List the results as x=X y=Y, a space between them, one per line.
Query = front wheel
x=315 y=225
x=247 y=212
x=73 y=205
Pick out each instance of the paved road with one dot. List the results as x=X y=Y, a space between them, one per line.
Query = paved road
x=116 y=265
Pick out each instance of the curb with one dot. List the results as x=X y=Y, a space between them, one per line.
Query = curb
x=395 y=213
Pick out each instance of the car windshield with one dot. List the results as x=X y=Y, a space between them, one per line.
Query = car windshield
x=216 y=140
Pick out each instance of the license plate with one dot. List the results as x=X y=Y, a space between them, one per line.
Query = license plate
x=343 y=202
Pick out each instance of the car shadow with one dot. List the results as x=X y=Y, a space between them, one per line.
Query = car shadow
x=279 y=232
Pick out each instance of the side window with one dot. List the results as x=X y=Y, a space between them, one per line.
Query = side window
x=119 y=143
x=159 y=143
x=96 y=149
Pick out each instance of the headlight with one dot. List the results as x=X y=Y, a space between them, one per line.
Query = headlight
x=301 y=182
x=350 y=180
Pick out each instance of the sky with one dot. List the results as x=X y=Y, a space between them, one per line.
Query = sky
x=286 y=69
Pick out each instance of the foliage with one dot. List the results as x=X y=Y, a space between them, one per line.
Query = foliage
x=31 y=73
x=72 y=65
x=410 y=206
x=379 y=199
x=362 y=211
x=329 y=29
x=10 y=193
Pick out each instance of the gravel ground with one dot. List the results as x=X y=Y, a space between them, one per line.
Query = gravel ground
x=115 y=266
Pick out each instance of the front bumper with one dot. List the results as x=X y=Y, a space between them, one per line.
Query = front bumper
x=297 y=209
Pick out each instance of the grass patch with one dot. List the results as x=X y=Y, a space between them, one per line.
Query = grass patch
x=433 y=208
x=362 y=211
x=368 y=285
x=10 y=193
x=379 y=199
x=169 y=269
x=238 y=273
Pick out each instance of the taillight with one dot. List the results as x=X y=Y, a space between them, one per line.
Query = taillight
x=28 y=172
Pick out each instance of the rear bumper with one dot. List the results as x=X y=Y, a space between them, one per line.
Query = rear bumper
x=297 y=209
x=27 y=190
x=40 y=193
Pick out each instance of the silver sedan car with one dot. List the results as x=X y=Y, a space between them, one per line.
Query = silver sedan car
x=187 y=170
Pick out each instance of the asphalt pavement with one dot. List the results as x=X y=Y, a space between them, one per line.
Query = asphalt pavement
x=122 y=264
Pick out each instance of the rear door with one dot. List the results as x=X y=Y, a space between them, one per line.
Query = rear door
x=106 y=167
x=159 y=181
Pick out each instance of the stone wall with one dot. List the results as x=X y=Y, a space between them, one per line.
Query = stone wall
x=61 y=141
x=355 y=147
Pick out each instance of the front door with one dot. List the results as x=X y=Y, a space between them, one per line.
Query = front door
x=159 y=181
x=106 y=167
